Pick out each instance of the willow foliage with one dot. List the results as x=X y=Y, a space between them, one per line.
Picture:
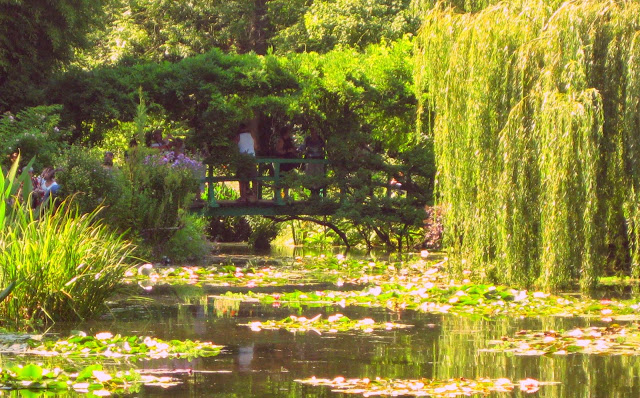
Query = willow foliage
x=536 y=121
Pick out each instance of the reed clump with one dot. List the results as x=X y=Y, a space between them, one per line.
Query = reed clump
x=536 y=117
x=64 y=265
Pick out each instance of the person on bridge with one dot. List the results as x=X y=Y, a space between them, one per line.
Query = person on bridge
x=246 y=169
x=286 y=149
x=313 y=148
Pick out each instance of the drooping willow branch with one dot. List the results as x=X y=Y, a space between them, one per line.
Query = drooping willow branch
x=536 y=115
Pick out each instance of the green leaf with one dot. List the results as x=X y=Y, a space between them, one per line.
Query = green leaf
x=30 y=372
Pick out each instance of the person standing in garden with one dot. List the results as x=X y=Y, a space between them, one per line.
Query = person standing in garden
x=246 y=162
x=313 y=148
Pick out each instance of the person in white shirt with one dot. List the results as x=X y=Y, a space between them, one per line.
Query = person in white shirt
x=246 y=169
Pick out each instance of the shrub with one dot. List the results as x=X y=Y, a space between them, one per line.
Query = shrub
x=91 y=184
x=158 y=188
x=33 y=133
x=189 y=243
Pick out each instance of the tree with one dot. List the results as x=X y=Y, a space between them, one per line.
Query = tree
x=36 y=38
x=158 y=30
x=537 y=112
x=326 y=24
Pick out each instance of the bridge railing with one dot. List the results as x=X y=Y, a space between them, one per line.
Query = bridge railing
x=261 y=181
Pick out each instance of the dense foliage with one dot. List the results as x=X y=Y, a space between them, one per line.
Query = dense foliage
x=192 y=70
x=536 y=118
x=36 y=37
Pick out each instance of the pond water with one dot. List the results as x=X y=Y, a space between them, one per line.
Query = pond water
x=267 y=363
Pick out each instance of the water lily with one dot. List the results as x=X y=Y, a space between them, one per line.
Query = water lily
x=104 y=336
x=529 y=385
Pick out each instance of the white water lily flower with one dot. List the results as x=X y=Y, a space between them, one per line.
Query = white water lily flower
x=375 y=291
x=81 y=386
x=101 y=376
x=367 y=321
x=101 y=393
x=444 y=309
x=577 y=333
x=522 y=295
x=334 y=318
x=540 y=295
x=255 y=326
x=104 y=336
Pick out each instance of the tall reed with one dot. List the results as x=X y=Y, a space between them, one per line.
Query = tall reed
x=64 y=265
x=536 y=117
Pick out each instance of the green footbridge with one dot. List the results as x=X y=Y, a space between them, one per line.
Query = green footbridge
x=268 y=187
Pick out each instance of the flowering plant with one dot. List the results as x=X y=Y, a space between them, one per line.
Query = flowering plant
x=176 y=161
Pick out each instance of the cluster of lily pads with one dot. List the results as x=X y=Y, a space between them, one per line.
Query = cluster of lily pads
x=423 y=387
x=469 y=299
x=332 y=324
x=106 y=345
x=611 y=340
x=325 y=269
x=93 y=378
x=419 y=285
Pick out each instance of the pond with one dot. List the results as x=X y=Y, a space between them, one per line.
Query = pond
x=270 y=363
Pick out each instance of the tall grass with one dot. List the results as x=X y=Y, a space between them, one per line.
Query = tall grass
x=64 y=265
x=536 y=117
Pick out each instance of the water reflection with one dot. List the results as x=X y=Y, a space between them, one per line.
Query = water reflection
x=288 y=252
x=266 y=363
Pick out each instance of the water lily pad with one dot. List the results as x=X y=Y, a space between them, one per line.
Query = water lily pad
x=423 y=387
x=332 y=324
x=106 y=345
x=610 y=340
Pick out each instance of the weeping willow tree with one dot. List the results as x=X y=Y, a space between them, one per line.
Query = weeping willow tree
x=536 y=122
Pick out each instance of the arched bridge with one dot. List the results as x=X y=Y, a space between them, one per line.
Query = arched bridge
x=269 y=187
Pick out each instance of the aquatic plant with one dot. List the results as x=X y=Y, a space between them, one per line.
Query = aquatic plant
x=106 y=345
x=64 y=265
x=91 y=379
x=423 y=387
x=535 y=106
x=610 y=340
x=332 y=324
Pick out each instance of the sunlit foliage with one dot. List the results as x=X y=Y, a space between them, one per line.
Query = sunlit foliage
x=536 y=119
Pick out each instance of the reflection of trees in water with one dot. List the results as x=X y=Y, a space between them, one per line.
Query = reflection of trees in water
x=223 y=307
x=457 y=354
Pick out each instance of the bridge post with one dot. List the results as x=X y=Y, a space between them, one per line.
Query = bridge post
x=211 y=193
x=277 y=188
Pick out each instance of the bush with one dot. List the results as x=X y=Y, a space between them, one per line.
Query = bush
x=263 y=231
x=91 y=184
x=33 y=133
x=158 y=187
x=189 y=243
